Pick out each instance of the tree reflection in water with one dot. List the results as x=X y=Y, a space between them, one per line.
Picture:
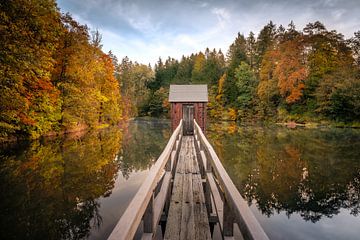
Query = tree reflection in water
x=51 y=188
x=312 y=172
x=142 y=144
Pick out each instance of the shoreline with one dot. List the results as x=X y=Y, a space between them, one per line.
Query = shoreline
x=64 y=133
x=82 y=130
x=294 y=124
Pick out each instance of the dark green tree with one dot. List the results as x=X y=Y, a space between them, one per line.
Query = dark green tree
x=235 y=55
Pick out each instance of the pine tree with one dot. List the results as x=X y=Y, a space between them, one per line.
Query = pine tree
x=251 y=49
x=235 y=55
x=265 y=41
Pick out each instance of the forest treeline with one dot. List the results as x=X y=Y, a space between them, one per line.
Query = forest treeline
x=54 y=77
x=283 y=74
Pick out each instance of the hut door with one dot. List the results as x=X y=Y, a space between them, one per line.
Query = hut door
x=188 y=118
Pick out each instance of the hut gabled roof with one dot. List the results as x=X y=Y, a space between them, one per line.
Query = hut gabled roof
x=188 y=93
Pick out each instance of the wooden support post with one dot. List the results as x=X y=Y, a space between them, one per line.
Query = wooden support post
x=207 y=195
x=174 y=163
x=203 y=161
x=158 y=186
x=174 y=147
x=170 y=161
x=167 y=201
x=148 y=217
x=228 y=224
x=208 y=163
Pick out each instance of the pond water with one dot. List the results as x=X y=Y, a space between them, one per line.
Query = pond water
x=77 y=187
x=300 y=184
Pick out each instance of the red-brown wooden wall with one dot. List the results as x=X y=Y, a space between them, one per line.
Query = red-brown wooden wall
x=199 y=114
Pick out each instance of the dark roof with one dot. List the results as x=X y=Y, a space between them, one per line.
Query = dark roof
x=188 y=93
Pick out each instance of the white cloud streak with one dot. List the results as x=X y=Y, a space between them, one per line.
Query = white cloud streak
x=146 y=30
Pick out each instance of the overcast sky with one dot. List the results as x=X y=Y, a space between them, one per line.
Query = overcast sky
x=144 y=30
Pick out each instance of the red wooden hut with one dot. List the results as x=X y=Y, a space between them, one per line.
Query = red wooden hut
x=188 y=102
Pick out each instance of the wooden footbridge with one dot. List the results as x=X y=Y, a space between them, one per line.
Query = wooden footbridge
x=187 y=192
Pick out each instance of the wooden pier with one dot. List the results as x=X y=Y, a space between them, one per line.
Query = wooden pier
x=187 y=192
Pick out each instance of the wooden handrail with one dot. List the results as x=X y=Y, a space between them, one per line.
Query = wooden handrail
x=233 y=207
x=144 y=199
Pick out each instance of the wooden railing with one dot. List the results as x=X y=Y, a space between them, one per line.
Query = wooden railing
x=223 y=201
x=152 y=197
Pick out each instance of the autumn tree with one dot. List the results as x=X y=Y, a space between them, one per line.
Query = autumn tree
x=108 y=92
x=291 y=71
x=329 y=55
x=354 y=43
x=268 y=90
x=29 y=102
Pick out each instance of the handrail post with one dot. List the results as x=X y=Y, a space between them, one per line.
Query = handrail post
x=207 y=195
x=168 y=163
x=177 y=147
x=228 y=220
x=148 y=217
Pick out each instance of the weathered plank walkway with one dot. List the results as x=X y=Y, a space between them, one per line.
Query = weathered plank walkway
x=187 y=191
x=187 y=218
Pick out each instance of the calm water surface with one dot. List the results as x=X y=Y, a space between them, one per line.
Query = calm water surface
x=300 y=184
x=76 y=188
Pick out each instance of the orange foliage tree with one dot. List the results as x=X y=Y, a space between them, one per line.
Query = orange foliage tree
x=291 y=71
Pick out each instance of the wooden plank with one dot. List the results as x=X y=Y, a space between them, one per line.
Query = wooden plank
x=130 y=220
x=193 y=157
x=200 y=212
x=248 y=224
x=187 y=218
x=187 y=230
x=174 y=217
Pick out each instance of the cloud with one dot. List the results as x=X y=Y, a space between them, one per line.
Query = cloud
x=222 y=15
x=143 y=30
